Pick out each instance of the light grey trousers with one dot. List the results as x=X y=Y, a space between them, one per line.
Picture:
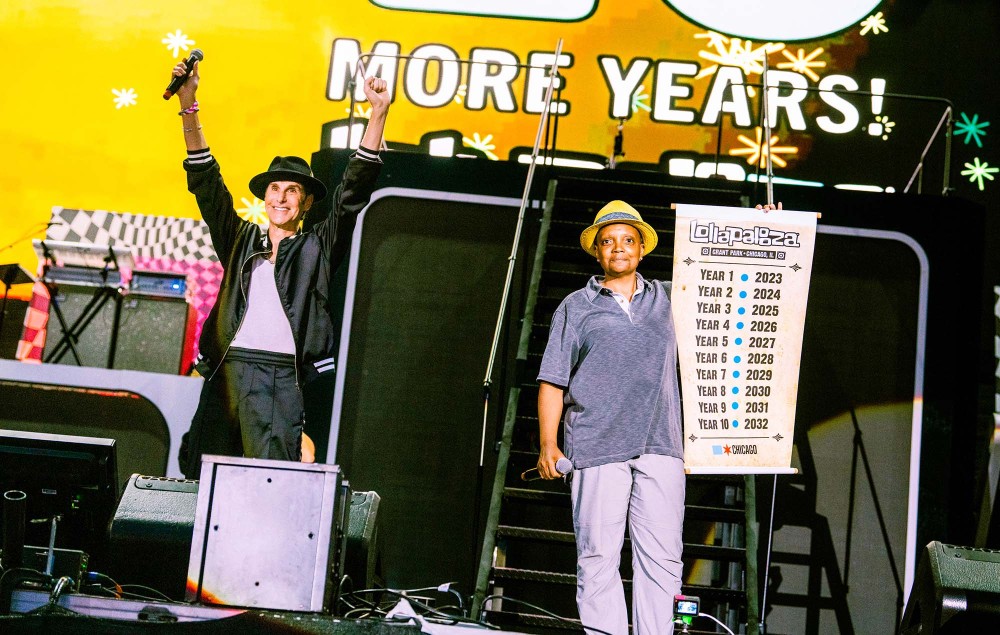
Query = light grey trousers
x=648 y=493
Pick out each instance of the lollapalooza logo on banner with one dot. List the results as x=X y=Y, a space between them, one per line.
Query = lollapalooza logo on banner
x=490 y=77
x=758 y=235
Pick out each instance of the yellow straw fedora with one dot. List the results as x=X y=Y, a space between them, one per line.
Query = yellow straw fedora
x=618 y=212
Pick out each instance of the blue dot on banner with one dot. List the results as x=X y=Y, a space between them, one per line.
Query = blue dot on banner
x=736 y=423
x=739 y=340
x=741 y=310
x=739 y=325
x=736 y=390
x=743 y=294
x=737 y=359
x=736 y=405
x=744 y=277
x=736 y=374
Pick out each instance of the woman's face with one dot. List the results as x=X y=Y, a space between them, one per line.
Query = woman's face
x=619 y=249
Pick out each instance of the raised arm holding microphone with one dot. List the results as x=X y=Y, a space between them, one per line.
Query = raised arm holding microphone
x=269 y=332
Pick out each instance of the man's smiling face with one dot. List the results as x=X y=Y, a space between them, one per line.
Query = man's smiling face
x=286 y=202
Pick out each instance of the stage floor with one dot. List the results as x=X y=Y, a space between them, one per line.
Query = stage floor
x=76 y=613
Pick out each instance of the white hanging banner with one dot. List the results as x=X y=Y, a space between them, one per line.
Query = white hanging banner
x=740 y=286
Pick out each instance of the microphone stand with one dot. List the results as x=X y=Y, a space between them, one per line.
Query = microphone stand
x=511 y=262
x=618 y=150
x=116 y=322
x=69 y=338
x=28 y=235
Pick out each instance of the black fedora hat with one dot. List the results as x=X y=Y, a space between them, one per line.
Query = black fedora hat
x=288 y=169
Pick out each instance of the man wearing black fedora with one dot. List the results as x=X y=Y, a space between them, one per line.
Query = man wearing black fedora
x=269 y=332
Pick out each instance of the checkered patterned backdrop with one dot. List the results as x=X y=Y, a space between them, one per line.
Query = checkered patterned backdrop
x=158 y=243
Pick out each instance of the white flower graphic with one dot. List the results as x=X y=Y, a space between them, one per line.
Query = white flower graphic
x=124 y=98
x=176 y=41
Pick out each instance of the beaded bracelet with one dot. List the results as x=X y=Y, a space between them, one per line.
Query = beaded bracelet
x=190 y=110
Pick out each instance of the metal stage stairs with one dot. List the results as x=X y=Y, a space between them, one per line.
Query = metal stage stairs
x=528 y=561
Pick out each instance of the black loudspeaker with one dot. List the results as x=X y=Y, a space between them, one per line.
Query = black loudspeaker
x=150 y=535
x=956 y=591
x=362 y=558
x=154 y=332
x=11 y=325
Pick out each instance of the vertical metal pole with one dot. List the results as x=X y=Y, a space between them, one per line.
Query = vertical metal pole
x=851 y=498
x=767 y=135
x=767 y=561
x=51 y=559
x=555 y=122
x=945 y=121
x=511 y=261
x=718 y=145
x=947 y=152
x=351 y=86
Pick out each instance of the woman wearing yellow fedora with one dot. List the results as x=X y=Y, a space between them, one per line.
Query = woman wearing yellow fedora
x=611 y=360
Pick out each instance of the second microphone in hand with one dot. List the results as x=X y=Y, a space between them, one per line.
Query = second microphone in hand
x=564 y=466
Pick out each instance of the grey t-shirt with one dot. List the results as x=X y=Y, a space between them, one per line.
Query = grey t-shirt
x=619 y=372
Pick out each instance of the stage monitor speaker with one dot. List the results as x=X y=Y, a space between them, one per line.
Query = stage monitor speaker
x=956 y=591
x=362 y=559
x=154 y=332
x=150 y=534
x=268 y=534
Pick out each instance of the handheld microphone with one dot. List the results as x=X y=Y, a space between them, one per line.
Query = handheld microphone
x=195 y=56
x=564 y=466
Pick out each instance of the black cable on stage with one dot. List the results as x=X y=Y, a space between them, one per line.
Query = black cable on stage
x=350 y=615
x=370 y=606
x=446 y=617
x=507 y=598
x=160 y=596
x=163 y=597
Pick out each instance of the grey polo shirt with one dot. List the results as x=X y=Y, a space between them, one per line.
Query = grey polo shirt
x=619 y=372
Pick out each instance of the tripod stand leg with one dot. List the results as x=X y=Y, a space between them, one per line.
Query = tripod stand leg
x=3 y=308
x=113 y=345
x=66 y=340
x=72 y=334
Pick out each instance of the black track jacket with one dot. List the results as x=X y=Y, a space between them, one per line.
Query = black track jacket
x=303 y=269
